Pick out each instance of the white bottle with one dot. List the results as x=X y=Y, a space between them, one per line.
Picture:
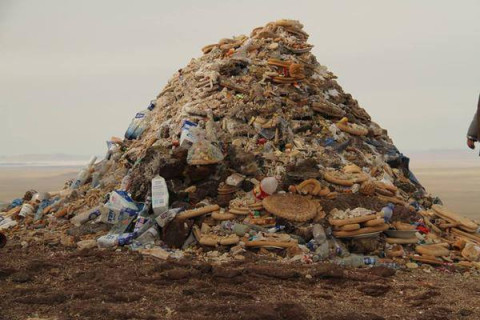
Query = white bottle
x=140 y=122
x=159 y=195
x=88 y=215
x=319 y=234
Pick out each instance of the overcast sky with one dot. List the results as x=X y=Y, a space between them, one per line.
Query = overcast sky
x=74 y=73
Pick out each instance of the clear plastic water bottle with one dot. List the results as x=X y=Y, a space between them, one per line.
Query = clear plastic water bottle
x=147 y=238
x=87 y=215
x=140 y=122
x=357 y=260
x=126 y=181
x=113 y=240
x=319 y=233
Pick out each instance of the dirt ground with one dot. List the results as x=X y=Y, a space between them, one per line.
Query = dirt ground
x=54 y=283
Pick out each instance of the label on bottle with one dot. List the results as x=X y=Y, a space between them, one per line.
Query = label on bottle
x=160 y=195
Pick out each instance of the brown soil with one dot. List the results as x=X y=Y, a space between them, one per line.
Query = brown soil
x=49 y=282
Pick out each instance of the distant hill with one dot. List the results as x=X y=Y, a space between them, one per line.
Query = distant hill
x=461 y=158
x=58 y=159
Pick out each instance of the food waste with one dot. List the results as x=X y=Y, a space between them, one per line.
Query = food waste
x=252 y=149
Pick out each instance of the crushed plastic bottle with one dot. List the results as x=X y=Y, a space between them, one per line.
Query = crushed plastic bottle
x=147 y=238
x=387 y=212
x=140 y=122
x=113 y=240
x=356 y=260
x=267 y=187
x=87 y=215
x=319 y=233
x=144 y=219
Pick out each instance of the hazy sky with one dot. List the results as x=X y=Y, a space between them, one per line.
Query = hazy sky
x=74 y=73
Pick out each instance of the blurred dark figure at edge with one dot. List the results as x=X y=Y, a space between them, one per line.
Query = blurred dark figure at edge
x=473 y=131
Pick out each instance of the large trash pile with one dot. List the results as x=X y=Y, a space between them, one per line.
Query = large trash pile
x=252 y=149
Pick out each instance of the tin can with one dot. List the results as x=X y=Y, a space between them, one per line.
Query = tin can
x=27 y=210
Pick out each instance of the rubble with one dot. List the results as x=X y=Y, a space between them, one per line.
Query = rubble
x=253 y=148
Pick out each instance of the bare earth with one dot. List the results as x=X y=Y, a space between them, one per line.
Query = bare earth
x=48 y=282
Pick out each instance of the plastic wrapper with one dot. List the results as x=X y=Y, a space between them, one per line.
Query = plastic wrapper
x=204 y=152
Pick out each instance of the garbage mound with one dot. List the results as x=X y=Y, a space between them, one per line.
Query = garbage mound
x=252 y=149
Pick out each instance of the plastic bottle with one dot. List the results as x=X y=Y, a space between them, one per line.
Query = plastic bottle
x=319 y=233
x=126 y=181
x=87 y=215
x=388 y=212
x=323 y=251
x=96 y=179
x=159 y=195
x=83 y=174
x=144 y=220
x=27 y=210
x=39 y=213
x=357 y=260
x=140 y=122
x=267 y=187
x=112 y=240
x=148 y=237
x=239 y=229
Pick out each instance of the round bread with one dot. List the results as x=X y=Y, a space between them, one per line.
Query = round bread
x=374 y=223
x=314 y=184
x=348 y=234
x=432 y=250
x=428 y=260
x=342 y=222
x=403 y=226
x=348 y=227
x=229 y=240
x=344 y=179
x=463 y=222
x=292 y=207
x=217 y=215
x=402 y=240
x=354 y=129
x=210 y=241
